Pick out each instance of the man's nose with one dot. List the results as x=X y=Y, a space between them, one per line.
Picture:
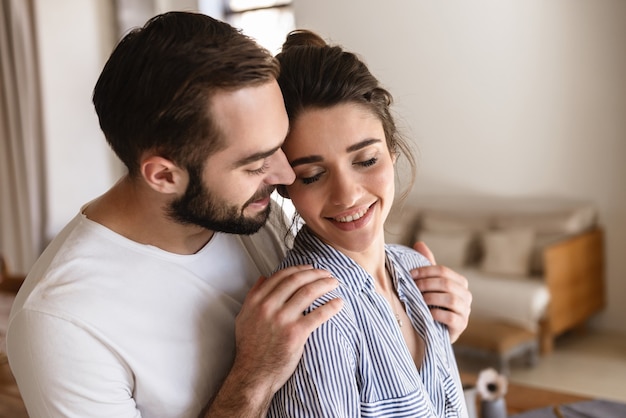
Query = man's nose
x=281 y=171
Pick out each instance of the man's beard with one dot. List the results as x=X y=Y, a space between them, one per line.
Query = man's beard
x=198 y=207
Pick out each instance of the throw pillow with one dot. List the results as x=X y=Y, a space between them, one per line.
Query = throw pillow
x=565 y=221
x=449 y=221
x=507 y=251
x=450 y=248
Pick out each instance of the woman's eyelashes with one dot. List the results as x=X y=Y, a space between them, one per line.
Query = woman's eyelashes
x=367 y=163
x=309 y=178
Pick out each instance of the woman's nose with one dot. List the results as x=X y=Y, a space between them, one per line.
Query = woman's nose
x=344 y=189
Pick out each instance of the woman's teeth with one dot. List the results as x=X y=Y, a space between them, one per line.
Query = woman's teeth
x=351 y=218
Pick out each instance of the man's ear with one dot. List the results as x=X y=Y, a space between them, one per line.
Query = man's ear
x=162 y=175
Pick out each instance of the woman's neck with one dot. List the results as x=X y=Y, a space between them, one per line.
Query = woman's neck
x=372 y=259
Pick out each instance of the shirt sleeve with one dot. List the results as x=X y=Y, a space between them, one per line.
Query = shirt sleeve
x=268 y=246
x=63 y=370
x=325 y=383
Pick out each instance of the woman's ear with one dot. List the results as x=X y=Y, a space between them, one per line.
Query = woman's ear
x=394 y=156
x=162 y=175
x=282 y=190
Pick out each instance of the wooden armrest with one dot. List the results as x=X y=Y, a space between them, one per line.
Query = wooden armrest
x=574 y=274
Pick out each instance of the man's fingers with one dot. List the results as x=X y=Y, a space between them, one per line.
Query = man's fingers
x=437 y=284
x=423 y=249
x=446 y=301
x=453 y=320
x=283 y=297
x=446 y=293
x=438 y=272
x=265 y=285
x=284 y=283
x=321 y=314
x=306 y=294
x=441 y=286
x=299 y=290
x=271 y=328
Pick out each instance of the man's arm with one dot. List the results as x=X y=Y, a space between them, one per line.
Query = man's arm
x=446 y=292
x=270 y=333
x=62 y=370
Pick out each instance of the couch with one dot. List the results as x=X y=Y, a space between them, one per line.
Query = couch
x=534 y=263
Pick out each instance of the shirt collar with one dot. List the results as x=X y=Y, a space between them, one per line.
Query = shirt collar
x=343 y=268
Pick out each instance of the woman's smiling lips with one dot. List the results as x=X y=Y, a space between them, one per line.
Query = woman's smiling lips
x=352 y=217
x=354 y=220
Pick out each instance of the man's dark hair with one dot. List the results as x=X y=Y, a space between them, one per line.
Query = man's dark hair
x=154 y=91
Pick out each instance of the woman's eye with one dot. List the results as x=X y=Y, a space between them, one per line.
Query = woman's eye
x=311 y=179
x=368 y=163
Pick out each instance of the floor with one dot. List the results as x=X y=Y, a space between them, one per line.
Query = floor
x=11 y=405
x=592 y=363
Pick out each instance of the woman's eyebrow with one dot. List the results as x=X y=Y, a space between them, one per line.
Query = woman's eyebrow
x=362 y=144
x=318 y=158
x=306 y=160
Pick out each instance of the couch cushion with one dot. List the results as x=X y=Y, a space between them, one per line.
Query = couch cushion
x=566 y=219
x=450 y=248
x=454 y=221
x=459 y=222
x=522 y=302
x=507 y=251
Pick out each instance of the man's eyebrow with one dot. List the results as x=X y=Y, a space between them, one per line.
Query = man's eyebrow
x=317 y=158
x=255 y=157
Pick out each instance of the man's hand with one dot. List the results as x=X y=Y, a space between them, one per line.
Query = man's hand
x=446 y=292
x=270 y=333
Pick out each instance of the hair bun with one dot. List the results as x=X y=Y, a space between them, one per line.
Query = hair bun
x=303 y=37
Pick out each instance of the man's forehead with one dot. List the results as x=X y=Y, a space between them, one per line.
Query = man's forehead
x=252 y=156
x=240 y=152
x=252 y=122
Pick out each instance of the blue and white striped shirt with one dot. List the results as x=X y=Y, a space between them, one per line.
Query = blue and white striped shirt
x=357 y=363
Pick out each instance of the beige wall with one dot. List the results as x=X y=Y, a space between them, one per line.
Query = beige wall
x=74 y=39
x=514 y=97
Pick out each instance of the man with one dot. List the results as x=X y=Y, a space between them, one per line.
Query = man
x=145 y=304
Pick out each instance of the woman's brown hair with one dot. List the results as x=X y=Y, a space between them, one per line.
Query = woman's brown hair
x=314 y=74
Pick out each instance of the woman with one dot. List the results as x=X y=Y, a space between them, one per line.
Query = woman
x=383 y=354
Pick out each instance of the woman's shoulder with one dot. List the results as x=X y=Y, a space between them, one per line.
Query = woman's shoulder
x=407 y=256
